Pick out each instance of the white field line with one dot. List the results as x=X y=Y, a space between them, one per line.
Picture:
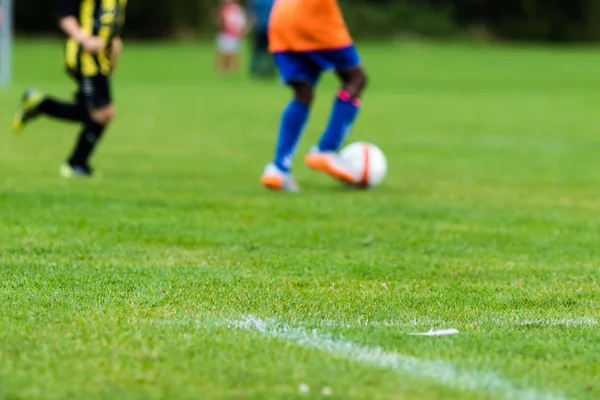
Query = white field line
x=496 y=322
x=584 y=322
x=440 y=372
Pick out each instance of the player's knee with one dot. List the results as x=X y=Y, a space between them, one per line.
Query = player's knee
x=362 y=81
x=304 y=93
x=356 y=83
x=104 y=115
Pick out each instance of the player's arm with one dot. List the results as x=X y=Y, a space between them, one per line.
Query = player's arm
x=67 y=20
x=115 y=51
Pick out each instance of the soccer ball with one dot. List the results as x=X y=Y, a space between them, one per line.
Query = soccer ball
x=366 y=162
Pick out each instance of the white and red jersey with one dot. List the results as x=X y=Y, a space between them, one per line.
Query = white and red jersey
x=233 y=20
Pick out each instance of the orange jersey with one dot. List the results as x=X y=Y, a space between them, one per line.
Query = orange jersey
x=307 y=25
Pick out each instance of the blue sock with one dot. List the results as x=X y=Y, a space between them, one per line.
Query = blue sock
x=345 y=110
x=292 y=124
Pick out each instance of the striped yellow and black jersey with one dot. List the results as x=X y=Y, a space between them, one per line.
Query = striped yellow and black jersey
x=102 y=18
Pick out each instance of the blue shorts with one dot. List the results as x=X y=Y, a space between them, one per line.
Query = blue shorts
x=308 y=66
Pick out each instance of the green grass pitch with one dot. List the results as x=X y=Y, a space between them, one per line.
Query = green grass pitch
x=175 y=275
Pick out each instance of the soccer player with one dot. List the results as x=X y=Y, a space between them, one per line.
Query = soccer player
x=307 y=38
x=261 y=64
x=232 y=27
x=91 y=54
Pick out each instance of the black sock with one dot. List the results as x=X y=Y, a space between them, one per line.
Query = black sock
x=61 y=110
x=88 y=138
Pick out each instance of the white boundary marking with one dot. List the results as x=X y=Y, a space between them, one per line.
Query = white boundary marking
x=441 y=372
x=471 y=326
x=583 y=322
x=496 y=322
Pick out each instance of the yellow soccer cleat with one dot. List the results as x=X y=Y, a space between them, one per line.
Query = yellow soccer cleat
x=30 y=108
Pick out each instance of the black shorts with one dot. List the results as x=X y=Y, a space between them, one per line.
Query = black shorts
x=94 y=91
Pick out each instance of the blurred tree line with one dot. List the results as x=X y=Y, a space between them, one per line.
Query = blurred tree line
x=533 y=20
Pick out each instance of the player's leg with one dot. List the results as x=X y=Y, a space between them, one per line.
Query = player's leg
x=269 y=69
x=277 y=175
x=34 y=104
x=96 y=98
x=236 y=54
x=344 y=112
x=345 y=108
x=255 y=53
x=292 y=123
x=234 y=61
x=228 y=54
x=262 y=65
x=347 y=102
x=220 y=62
x=225 y=63
x=301 y=74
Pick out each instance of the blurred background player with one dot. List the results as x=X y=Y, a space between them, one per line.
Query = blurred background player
x=307 y=38
x=232 y=27
x=262 y=64
x=91 y=55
